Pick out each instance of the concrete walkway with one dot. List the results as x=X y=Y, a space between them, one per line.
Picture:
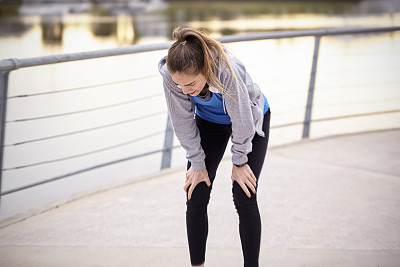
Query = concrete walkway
x=327 y=202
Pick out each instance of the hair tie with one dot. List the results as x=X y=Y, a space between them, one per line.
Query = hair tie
x=183 y=43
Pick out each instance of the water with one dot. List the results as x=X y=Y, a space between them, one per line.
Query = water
x=356 y=74
x=36 y=30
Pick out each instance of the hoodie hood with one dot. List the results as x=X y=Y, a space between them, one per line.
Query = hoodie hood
x=162 y=68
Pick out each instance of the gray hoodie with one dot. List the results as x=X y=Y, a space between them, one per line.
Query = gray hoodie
x=244 y=103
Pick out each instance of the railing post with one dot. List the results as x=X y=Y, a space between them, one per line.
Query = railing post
x=307 y=117
x=3 y=108
x=169 y=139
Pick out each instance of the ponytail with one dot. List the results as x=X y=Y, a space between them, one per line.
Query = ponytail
x=193 y=52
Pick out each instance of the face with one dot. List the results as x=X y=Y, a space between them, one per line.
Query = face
x=190 y=84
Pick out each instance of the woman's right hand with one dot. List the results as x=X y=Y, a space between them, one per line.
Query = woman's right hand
x=193 y=178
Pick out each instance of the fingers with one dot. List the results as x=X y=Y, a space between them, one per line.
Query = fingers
x=245 y=189
x=251 y=186
x=191 y=190
x=190 y=184
x=186 y=185
x=252 y=177
x=208 y=182
x=253 y=181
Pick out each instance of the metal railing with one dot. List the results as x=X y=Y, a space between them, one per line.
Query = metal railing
x=8 y=65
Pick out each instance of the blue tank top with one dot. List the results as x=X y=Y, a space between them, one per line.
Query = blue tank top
x=212 y=110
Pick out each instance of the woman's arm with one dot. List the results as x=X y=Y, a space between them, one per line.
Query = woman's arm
x=181 y=111
x=239 y=108
x=244 y=104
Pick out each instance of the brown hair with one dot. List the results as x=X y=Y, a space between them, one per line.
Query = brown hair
x=193 y=52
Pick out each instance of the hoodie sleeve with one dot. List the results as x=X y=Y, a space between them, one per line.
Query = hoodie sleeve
x=239 y=108
x=181 y=111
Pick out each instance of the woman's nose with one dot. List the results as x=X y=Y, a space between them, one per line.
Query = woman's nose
x=185 y=90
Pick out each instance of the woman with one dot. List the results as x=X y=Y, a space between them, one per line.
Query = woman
x=211 y=98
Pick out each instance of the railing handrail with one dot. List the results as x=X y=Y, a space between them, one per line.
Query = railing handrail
x=13 y=63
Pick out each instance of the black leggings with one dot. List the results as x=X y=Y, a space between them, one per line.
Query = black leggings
x=214 y=139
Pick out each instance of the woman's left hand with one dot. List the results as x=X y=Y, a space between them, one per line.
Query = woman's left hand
x=245 y=178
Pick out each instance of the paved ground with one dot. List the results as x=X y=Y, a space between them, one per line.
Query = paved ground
x=328 y=202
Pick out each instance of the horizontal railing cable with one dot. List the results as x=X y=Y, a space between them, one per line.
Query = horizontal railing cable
x=356 y=115
x=284 y=61
x=376 y=70
x=283 y=78
x=89 y=129
x=336 y=118
x=347 y=86
x=83 y=87
x=357 y=103
x=289 y=110
x=86 y=153
x=357 y=53
x=285 y=125
x=324 y=87
x=323 y=72
x=84 y=110
x=335 y=104
x=291 y=92
x=6 y=192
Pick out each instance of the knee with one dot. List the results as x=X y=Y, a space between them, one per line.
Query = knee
x=243 y=203
x=199 y=200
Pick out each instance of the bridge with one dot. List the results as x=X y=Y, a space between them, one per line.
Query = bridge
x=328 y=194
